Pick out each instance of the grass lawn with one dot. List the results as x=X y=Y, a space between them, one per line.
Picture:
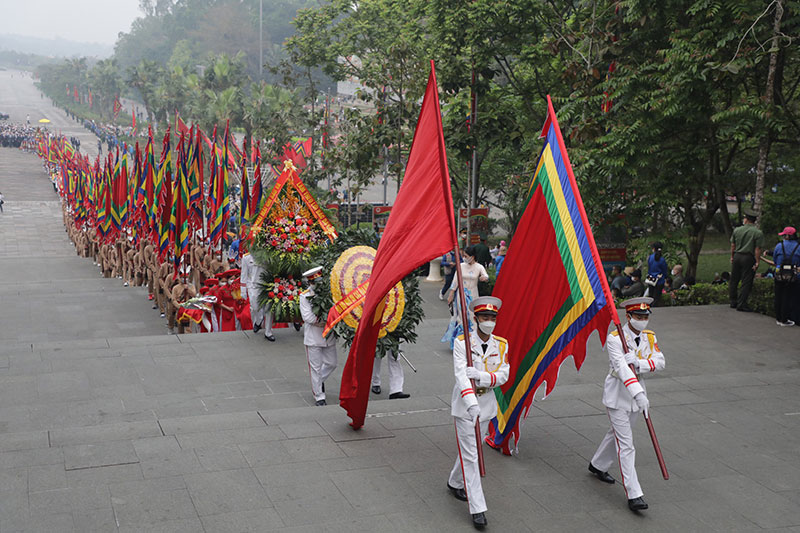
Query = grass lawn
x=708 y=264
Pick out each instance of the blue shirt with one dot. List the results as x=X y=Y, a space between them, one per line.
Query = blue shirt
x=654 y=268
x=792 y=250
x=498 y=262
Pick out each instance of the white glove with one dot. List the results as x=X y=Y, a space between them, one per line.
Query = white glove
x=642 y=402
x=472 y=373
x=473 y=411
x=631 y=359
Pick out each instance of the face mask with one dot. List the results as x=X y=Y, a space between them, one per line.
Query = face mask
x=641 y=325
x=487 y=327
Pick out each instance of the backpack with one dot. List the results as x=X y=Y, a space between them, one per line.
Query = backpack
x=786 y=271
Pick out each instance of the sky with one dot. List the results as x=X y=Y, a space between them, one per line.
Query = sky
x=93 y=21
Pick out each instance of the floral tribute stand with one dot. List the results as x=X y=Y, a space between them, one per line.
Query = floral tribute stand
x=287 y=229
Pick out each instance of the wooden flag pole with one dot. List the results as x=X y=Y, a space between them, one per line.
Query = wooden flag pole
x=462 y=300
x=649 y=422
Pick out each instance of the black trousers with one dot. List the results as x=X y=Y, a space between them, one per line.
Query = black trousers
x=784 y=293
x=741 y=270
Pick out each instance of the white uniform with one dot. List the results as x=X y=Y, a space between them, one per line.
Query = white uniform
x=493 y=365
x=321 y=351
x=396 y=376
x=620 y=387
x=250 y=277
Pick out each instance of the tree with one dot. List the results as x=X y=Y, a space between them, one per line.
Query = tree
x=145 y=78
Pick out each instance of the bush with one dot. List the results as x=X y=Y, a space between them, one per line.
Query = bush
x=761 y=297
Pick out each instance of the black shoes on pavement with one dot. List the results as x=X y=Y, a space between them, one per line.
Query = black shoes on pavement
x=458 y=494
x=320 y=402
x=256 y=328
x=605 y=477
x=270 y=338
x=376 y=389
x=637 y=504
x=399 y=396
x=479 y=520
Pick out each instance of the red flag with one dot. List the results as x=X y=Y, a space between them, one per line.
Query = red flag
x=421 y=227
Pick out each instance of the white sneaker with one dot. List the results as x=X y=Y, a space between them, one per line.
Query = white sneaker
x=125 y=284
x=786 y=324
x=441 y=297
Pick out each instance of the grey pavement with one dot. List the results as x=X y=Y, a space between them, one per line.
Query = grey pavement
x=108 y=424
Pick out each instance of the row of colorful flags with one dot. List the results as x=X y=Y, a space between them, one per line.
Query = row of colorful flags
x=132 y=193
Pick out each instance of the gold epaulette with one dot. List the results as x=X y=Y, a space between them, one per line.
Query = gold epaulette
x=305 y=292
x=501 y=339
x=460 y=337
x=651 y=332
x=615 y=333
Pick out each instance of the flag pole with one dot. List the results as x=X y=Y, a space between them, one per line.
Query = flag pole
x=603 y=281
x=462 y=302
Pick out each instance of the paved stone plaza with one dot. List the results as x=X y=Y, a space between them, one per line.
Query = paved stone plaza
x=109 y=424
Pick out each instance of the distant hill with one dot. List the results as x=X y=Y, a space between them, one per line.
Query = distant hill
x=54 y=47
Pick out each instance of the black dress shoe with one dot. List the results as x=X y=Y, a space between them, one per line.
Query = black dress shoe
x=637 y=504
x=256 y=328
x=399 y=396
x=602 y=476
x=321 y=402
x=458 y=494
x=270 y=338
x=376 y=389
x=479 y=520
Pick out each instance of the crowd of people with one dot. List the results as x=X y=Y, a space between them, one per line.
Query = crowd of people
x=13 y=135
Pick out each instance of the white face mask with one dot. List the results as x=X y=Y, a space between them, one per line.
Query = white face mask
x=487 y=327
x=640 y=325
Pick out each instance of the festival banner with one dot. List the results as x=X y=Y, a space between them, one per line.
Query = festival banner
x=314 y=207
x=344 y=306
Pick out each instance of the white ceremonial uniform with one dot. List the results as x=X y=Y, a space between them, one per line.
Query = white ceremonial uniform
x=396 y=376
x=493 y=365
x=620 y=387
x=321 y=351
x=250 y=278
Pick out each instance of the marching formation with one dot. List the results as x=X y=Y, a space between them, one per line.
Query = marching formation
x=151 y=224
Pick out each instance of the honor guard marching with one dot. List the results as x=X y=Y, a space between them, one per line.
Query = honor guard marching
x=321 y=351
x=250 y=278
x=489 y=370
x=625 y=397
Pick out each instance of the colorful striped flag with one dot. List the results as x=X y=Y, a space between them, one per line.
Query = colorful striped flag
x=164 y=201
x=221 y=209
x=258 y=189
x=179 y=220
x=551 y=286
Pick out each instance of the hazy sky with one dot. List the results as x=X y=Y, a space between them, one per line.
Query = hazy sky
x=97 y=21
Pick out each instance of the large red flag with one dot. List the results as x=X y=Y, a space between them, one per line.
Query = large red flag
x=420 y=227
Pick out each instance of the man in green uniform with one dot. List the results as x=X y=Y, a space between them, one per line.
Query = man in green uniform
x=746 y=244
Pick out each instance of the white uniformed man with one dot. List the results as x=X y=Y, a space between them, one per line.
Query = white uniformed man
x=624 y=397
x=489 y=370
x=321 y=351
x=250 y=277
x=396 y=376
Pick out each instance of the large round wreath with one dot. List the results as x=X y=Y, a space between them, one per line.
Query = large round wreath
x=322 y=301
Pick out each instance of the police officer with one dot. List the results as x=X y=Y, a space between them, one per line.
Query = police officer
x=489 y=370
x=747 y=241
x=624 y=397
x=321 y=351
